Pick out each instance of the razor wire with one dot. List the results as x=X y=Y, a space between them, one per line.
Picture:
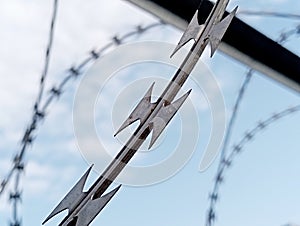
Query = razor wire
x=39 y=112
x=56 y=91
x=226 y=161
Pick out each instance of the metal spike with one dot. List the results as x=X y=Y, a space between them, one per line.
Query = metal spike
x=117 y=40
x=211 y=216
x=93 y=208
x=140 y=112
x=72 y=198
x=214 y=196
x=166 y=113
x=16 y=223
x=193 y=31
x=94 y=54
x=75 y=72
x=15 y=196
x=219 y=30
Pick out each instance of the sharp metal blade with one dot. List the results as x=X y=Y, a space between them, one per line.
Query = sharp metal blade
x=166 y=113
x=72 y=198
x=140 y=112
x=192 y=32
x=219 y=30
x=93 y=208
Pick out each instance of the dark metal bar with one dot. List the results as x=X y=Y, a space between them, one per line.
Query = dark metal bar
x=257 y=50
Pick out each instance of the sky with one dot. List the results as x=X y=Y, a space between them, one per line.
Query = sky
x=261 y=188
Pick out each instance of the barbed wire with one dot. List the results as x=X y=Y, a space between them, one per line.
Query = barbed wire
x=55 y=92
x=270 y=14
x=227 y=138
x=286 y=35
x=235 y=111
x=39 y=112
x=48 y=54
x=15 y=196
x=226 y=161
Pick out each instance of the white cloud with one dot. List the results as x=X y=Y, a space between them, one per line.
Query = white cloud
x=45 y=178
x=80 y=27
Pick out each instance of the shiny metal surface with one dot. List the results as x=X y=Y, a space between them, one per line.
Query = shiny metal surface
x=154 y=117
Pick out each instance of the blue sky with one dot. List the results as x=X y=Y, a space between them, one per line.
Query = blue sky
x=262 y=186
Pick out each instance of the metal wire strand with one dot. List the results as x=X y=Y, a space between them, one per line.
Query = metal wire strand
x=18 y=167
x=219 y=178
x=39 y=113
x=287 y=35
x=237 y=149
x=226 y=159
x=270 y=14
x=284 y=36
x=48 y=53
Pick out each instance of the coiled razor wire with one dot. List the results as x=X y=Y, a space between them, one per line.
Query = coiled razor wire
x=39 y=111
x=227 y=160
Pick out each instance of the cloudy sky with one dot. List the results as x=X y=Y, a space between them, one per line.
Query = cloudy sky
x=262 y=186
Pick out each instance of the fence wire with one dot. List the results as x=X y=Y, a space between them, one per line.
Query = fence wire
x=43 y=103
x=287 y=35
x=15 y=196
x=226 y=160
x=270 y=14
